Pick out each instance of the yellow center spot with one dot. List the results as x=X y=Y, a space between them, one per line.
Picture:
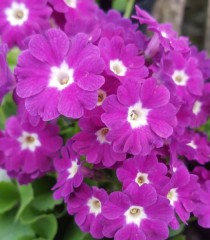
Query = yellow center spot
x=18 y=14
x=30 y=139
x=135 y=211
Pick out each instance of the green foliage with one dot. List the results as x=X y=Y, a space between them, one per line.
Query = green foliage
x=179 y=237
x=46 y=226
x=174 y=233
x=26 y=196
x=27 y=213
x=13 y=230
x=7 y=109
x=120 y=5
x=74 y=232
x=12 y=57
x=8 y=196
x=44 y=202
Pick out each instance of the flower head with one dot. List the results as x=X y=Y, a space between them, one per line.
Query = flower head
x=70 y=172
x=21 y=18
x=139 y=117
x=29 y=150
x=66 y=73
x=138 y=213
x=86 y=204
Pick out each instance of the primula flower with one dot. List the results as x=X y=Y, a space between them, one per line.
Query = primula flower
x=200 y=108
x=138 y=213
x=7 y=82
x=86 y=204
x=143 y=170
x=74 y=6
x=70 y=172
x=22 y=113
x=122 y=61
x=139 y=118
x=92 y=142
x=202 y=208
x=164 y=34
x=180 y=191
x=89 y=26
x=203 y=61
x=112 y=24
x=65 y=75
x=185 y=75
x=21 y=18
x=29 y=150
x=194 y=146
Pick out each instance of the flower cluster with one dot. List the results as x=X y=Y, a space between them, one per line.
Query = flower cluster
x=138 y=101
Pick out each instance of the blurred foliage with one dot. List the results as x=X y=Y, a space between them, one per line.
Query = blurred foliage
x=25 y=215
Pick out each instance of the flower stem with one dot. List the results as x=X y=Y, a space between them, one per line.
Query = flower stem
x=129 y=8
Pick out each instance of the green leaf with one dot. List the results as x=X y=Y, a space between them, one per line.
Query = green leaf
x=46 y=226
x=74 y=232
x=180 y=237
x=43 y=185
x=26 y=196
x=120 y=5
x=10 y=230
x=7 y=109
x=8 y=196
x=178 y=231
x=29 y=215
x=12 y=57
x=44 y=202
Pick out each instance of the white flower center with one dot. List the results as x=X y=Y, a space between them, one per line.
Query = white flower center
x=141 y=178
x=164 y=34
x=17 y=14
x=71 y=3
x=94 y=205
x=135 y=215
x=172 y=196
x=180 y=78
x=101 y=97
x=61 y=77
x=137 y=116
x=197 y=107
x=29 y=141
x=117 y=67
x=73 y=169
x=101 y=135
x=192 y=144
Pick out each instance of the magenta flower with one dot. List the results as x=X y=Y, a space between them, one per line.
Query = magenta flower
x=184 y=73
x=21 y=18
x=200 y=107
x=203 y=61
x=202 y=208
x=70 y=172
x=66 y=73
x=74 y=6
x=140 y=117
x=23 y=114
x=86 y=204
x=29 y=150
x=89 y=26
x=194 y=146
x=7 y=81
x=143 y=170
x=181 y=191
x=122 y=61
x=137 y=214
x=164 y=34
x=92 y=142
